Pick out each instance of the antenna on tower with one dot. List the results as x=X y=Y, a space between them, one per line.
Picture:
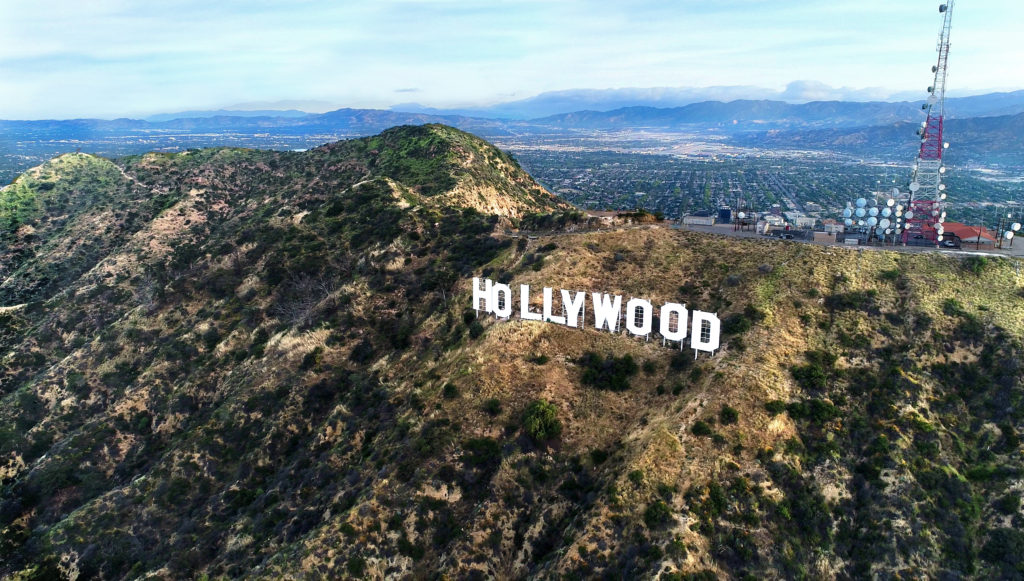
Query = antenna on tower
x=926 y=202
x=920 y=211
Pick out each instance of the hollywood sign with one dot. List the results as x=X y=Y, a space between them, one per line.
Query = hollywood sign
x=704 y=328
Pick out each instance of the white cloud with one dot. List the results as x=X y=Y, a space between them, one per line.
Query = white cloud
x=109 y=57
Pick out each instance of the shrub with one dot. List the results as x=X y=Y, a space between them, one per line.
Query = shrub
x=735 y=324
x=1008 y=504
x=816 y=410
x=492 y=406
x=481 y=453
x=701 y=428
x=657 y=514
x=450 y=391
x=975 y=264
x=636 y=477
x=728 y=415
x=890 y=275
x=475 y=329
x=680 y=361
x=775 y=407
x=539 y=359
x=610 y=372
x=356 y=566
x=540 y=420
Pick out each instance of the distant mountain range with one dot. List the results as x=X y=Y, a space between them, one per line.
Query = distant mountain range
x=735 y=115
x=985 y=140
x=798 y=92
x=985 y=127
x=227 y=113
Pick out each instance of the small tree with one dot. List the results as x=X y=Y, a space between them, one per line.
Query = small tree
x=540 y=420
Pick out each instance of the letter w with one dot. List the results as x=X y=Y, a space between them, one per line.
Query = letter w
x=606 y=311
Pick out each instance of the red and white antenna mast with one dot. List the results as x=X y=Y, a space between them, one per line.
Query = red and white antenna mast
x=925 y=207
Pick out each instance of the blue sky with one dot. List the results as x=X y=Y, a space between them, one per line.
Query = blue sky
x=109 y=58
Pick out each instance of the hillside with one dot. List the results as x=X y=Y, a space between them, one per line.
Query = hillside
x=240 y=363
x=983 y=140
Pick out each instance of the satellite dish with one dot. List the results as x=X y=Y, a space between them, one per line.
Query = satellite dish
x=899 y=208
x=886 y=212
x=891 y=202
x=884 y=223
x=879 y=232
x=943 y=214
x=942 y=169
x=888 y=231
x=914 y=186
x=848 y=222
x=942 y=219
x=935 y=212
x=1015 y=227
x=942 y=186
x=940 y=238
x=940 y=229
x=860 y=222
x=741 y=215
x=945 y=145
x=873 y=212
x=872 y=221
x=861 y=212
x=1008 y=235
x=899 y=214
x=942 y=196
x=895 y=192
x=846 y=213
x=910 y=214
x=861 y=202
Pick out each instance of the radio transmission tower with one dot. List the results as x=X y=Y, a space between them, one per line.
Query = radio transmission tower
x=925 y=211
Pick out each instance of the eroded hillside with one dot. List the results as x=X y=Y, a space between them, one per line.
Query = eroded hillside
x=269 y=367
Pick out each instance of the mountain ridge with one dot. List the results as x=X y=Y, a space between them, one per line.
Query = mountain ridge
x=274 y=370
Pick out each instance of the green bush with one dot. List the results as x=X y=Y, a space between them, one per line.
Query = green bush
x=657 y=514
x=775 y=407
x=975 y=264
x=540 y=421
x=492 y=406
x=701 y=428
x=450 y=391
x=476 y=329
x=608 y=372
x=728 y=415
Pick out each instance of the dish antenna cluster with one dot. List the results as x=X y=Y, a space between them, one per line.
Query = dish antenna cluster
x=886 y=219
x=920 y=211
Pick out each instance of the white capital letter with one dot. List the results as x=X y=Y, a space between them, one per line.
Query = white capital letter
x=524 y=304
x=573 y=307
x=482 y=293
x=606 y=312
x=647 y=311
x=705 y=325
x=502 y=304
x=666 y=321
x=547 y=309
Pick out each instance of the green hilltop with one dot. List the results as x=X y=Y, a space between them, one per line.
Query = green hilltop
x=233 y=363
